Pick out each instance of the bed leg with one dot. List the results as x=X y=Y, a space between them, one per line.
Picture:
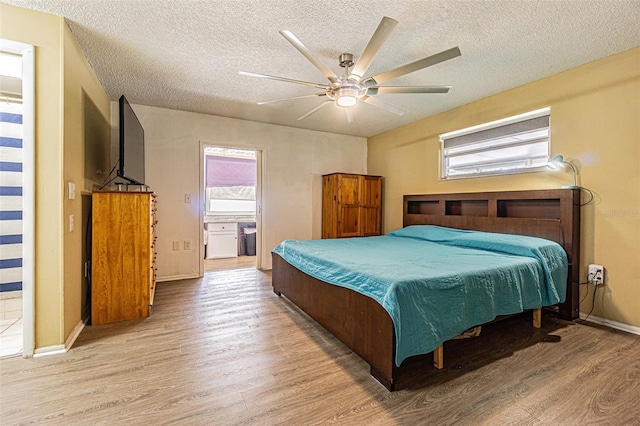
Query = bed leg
x=438 y=357
x=277 y=292
x=537 y=318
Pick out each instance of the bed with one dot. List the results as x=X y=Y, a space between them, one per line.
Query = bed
x=367 y=325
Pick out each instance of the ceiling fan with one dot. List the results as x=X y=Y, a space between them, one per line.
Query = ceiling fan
x=346 y=91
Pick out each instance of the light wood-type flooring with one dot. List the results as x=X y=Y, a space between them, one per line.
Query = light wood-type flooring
x=229 y=263
x=225 y=350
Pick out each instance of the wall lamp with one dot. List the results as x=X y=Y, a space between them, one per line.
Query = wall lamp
x=557 y=163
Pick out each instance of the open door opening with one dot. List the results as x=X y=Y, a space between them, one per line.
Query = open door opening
x=231 y=208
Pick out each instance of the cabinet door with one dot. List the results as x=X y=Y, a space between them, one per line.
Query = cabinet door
x=222 y=244
x=349 y=206
x=371 y=202
x=329 y=206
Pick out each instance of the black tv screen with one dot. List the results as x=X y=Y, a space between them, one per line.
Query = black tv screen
x=131 y=150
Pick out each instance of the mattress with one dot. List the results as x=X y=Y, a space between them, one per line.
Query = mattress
x=437 y=282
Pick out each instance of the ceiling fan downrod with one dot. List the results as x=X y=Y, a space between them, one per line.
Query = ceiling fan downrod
x=347 y=90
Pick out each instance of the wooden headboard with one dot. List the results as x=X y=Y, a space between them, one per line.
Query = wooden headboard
x=553 y=214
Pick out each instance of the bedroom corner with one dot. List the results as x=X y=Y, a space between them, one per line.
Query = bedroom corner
x=594 y=110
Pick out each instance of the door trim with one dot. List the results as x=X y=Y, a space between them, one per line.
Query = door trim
x=260 y=197
x=28 y=190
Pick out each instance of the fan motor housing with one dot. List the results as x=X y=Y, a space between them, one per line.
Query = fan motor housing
x=346 y=89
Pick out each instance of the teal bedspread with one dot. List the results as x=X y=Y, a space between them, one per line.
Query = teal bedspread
x=436 y=282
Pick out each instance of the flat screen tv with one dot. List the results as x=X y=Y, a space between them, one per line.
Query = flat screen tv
x=131 y=148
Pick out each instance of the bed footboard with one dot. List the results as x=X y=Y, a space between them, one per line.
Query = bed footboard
x=358 y=321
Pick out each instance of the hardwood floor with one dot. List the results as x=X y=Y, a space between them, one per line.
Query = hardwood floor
x=225 y=350
x=229 y=263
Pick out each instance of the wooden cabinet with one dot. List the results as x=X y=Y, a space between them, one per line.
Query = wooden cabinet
x=351 y=205
x=123 y=256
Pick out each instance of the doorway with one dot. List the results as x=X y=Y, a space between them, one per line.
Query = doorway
x=17 y=144
x=231 y=222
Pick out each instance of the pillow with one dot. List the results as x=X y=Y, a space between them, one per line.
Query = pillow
x=436 y=234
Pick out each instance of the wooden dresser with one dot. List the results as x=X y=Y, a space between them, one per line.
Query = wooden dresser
x=123 y=256
x=351 y=205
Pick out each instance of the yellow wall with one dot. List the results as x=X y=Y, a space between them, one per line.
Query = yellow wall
x=595 y=123
x=63 y=81
x=43 y=31
x=86 y=135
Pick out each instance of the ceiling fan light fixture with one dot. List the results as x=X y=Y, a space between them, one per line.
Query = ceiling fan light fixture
x=346 y=96
x=346 y=101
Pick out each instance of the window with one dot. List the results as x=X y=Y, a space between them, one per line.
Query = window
x=230 y=180
x=512 y=145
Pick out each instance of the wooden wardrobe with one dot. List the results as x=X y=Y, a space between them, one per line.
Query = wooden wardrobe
x=351 y=205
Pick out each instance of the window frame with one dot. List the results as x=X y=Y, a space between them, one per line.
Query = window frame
x=477 y=129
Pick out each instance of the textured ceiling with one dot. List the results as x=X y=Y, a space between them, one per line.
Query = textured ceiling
x=186 y=54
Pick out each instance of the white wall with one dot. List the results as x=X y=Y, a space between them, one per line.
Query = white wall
x=294 y=161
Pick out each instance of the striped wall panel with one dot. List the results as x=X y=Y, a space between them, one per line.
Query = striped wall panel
x=11 y=162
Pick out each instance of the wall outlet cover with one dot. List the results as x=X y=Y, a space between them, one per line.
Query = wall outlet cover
x=595 y=274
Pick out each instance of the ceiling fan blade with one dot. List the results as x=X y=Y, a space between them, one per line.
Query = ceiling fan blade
x=328 y=101
x=292 y=98
x=351 y=114
x=288 y=80
x=382 y=33
x=388 y=90
x=307 y=54
x=384 y=105
x=413 y=66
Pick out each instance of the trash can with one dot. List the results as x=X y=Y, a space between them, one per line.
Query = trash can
x=249 y=241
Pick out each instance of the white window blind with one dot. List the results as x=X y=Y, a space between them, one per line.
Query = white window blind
x=512 y=145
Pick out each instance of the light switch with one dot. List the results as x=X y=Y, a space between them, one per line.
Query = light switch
x=187 y=198
x=72 y=191
x=72 y=224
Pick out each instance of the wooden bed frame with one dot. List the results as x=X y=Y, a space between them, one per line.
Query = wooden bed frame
x=364 y=325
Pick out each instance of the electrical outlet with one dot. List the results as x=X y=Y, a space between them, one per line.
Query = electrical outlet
x=176 y=245
x=187 y=244
x=595 y=274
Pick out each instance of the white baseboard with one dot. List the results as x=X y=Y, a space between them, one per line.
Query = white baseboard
x=49 y=350
x=613 y=324
x=176 y=277
x=62 y=349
